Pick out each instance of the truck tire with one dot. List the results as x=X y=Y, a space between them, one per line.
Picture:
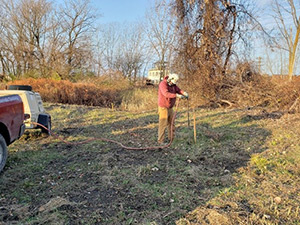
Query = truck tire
x=45 y=120
x=48 y=127
x=20 y=87
x=3 y=152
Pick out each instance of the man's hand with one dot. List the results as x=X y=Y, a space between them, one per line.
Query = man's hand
x=180 y=96
x=186 y=95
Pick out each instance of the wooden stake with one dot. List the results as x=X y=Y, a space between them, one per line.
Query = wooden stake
x=188 y=112
x=195 y=132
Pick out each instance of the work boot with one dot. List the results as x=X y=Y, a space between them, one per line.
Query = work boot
x=163 y=143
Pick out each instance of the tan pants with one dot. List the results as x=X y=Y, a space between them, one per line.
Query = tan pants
x=165 y=121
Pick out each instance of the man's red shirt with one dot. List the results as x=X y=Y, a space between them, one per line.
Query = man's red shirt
x=167 y=94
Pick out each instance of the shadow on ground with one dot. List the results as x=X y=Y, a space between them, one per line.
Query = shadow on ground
x=101 y=183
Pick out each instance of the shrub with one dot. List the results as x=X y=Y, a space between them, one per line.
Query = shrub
x=276 y=93
x=67 y=92
x=2 y=86
x=288 y=93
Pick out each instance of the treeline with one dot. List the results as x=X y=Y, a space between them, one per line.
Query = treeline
x=206 y=42
x=40 y=39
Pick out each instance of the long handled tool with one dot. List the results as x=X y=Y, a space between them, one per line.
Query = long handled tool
x=194 y=118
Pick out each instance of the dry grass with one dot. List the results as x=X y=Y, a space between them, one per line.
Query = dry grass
x=140 y=99
x=267 y=190
x=2 y=86
x=273 y=93
x=242 y=170
x=103 y=91
x=96 y=92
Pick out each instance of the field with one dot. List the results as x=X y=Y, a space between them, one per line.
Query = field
x=243 y=169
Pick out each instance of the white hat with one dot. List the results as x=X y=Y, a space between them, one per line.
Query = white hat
x=173 y=77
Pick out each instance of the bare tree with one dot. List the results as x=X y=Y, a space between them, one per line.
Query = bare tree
x=285 y=12
x=77 y=20
x=130 y=54
x=24 y=28
x=40 y=41
x=122 y=49
x=108 y=39
x=209 y=32
x=160 y=33
x=35 y=15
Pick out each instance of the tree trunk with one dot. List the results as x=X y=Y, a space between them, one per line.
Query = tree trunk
x=292 y=55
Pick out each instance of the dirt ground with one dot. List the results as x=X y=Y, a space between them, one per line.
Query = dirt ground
x=47 y=181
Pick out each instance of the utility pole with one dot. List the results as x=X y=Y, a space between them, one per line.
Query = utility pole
x=259 y=64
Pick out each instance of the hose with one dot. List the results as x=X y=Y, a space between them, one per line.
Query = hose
x=116 y=142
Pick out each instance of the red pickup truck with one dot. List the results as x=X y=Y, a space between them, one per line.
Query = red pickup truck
x=11 y=123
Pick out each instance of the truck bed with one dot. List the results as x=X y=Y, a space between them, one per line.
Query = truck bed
x=11 y=117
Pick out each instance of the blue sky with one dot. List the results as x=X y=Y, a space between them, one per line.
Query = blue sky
x=121 y=10
x=262 y=3
x=133 y=10
x=118 y=10
x=274 y=60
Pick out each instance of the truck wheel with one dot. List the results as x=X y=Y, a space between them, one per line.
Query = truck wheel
x=3 y=152
x=45 y=120
x=20 y=87
x=48 y=127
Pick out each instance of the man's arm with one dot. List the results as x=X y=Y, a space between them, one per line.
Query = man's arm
x=165 y=92
x=181 y=92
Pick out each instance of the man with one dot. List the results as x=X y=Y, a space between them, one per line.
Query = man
x=167 y=93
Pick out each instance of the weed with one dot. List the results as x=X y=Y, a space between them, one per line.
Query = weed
x=260 y=164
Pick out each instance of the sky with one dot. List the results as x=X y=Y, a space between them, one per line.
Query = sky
x=111 y=11
x=132 y=10
x=274 y=60
x=262 y=3
x=121 y=10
